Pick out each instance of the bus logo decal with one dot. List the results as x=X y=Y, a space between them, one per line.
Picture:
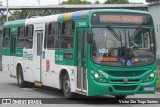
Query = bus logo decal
x=28 y=56
x=125 y=80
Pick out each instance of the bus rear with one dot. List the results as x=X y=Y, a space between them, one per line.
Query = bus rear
x=121 y=53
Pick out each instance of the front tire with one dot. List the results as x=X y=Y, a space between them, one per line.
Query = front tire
x=67 y=88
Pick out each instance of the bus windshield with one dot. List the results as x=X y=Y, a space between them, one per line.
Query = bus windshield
x=123 y=46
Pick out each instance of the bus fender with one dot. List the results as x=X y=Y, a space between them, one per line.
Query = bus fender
x=72 y=80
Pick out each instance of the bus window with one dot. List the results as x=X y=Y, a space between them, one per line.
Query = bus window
x=29 y=37
x=67 y=35
x=53 y=35
x=20 y=42
x=6 y=37
x=46 y=36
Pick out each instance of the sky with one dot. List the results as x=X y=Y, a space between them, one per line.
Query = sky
x=49 y=2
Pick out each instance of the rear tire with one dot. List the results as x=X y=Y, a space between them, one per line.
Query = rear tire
x=67 y=88
x=20 y=79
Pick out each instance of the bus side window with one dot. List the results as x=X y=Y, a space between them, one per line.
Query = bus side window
x=53 y=35
x=20 y=42
x=67 y=36
x=6 y=35
x=46 y=36
x=29 y=36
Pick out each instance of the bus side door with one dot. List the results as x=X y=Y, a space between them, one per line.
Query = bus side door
x=81 y=60
x=38 y=46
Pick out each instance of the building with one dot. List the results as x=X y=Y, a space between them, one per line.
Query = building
x=0 y=3
x=154 y=9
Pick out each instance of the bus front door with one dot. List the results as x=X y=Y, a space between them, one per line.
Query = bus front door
x=38 y=46
x=81 y=61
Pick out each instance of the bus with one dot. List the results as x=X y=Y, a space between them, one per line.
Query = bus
x=89 y=52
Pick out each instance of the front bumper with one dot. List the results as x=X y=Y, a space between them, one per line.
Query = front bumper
x=96 y=88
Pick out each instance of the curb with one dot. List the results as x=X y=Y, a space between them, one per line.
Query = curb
x=157 y=92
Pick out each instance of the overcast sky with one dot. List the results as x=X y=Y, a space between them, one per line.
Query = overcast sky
x=48 y=2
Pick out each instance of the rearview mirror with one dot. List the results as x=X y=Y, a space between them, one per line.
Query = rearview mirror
x=89 y=37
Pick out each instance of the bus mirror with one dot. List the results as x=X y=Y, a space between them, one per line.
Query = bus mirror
x=89 y=37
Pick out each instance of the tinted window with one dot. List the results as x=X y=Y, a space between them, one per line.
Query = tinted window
x=29 y=36
x=53 y=35
x=21 y=38
x=6 y=37
x=67 y=35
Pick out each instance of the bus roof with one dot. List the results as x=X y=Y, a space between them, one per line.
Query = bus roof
x=13 y=23
x=67 y=16
x=43 y=19
x=85 y=13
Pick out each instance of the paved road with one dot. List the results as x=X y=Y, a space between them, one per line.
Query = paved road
x=10 y=89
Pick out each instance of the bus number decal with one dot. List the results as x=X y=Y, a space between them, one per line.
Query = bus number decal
x=103 y=73
x=59 y=57
x=82 y=24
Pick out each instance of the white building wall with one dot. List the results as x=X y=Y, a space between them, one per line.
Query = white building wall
x=0 y=3
x=155 y=12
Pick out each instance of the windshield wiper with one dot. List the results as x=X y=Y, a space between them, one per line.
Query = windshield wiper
x=135 y=33
x=114 y=33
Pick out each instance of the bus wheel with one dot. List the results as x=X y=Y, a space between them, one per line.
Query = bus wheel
x=67 y=87
x=20 y=79
x=121 y=97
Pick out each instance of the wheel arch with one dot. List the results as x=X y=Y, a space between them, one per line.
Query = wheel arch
x=18 y=64
x=61 y=75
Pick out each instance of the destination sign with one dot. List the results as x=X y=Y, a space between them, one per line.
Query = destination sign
x=122 y=18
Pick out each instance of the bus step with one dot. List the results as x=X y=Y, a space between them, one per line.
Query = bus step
x=38 y=84
x=82 y=93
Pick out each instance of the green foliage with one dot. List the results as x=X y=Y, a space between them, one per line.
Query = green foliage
x=116 y=2
x=96 y=2
x=76 y=2
x=158 y=83
x=16 y=14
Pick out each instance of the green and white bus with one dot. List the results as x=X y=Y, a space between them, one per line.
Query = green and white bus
x=91 y=52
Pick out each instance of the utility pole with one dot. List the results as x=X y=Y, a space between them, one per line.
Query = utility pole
x=7 y=11
x=39 y=1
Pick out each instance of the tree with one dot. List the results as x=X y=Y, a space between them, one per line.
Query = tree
x=116 y=2
x=96 y=2
x=76 y=2
x=16 y=14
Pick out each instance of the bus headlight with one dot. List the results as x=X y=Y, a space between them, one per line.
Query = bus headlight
x=96 y=75
x=152 y=75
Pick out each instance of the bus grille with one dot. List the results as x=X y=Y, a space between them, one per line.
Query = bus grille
x=125 y=88
x=122 y=81
x=125 y=73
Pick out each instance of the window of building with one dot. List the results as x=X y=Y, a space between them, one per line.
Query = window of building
x=6 y=37
x=29 y=36
x=53 y=35
x=21 y=37
x=67 y=35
